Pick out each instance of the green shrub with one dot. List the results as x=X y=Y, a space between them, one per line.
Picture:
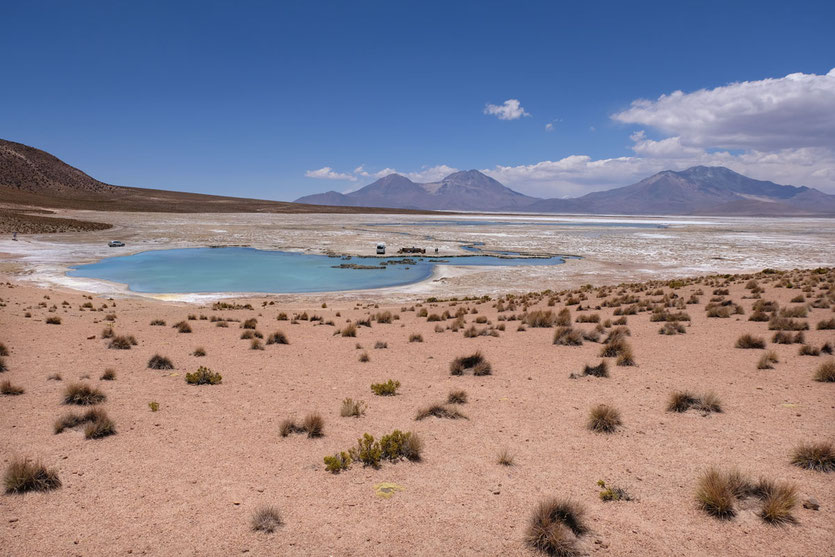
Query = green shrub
x=389 y=388
x=203 y=376
x=338 y=462
x=613 y=493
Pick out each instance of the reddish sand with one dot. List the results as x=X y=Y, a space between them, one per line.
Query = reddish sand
x=186 y=479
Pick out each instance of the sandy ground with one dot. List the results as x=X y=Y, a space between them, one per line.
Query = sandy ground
x=185 y=480
x=685 y=247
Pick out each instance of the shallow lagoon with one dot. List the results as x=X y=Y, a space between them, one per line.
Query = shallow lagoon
x=235 y=269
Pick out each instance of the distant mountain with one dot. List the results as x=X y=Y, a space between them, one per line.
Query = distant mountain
x=468 y=190
x=32 y=177
x=700 y=190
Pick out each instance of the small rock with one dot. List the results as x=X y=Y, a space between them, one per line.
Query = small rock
x=811 y=503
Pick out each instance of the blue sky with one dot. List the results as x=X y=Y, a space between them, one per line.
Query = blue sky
x=247 y=98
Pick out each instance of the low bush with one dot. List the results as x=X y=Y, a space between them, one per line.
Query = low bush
x=352 y=408
x=415 y=337
x=748 y=341
x=182 y=327
x=203 y=376
x=7 y=389
x=826 y=372
x=277 y=337
x=568 y=336
x=613 y=493
x=122 y=342
x=767 y=359
x=389 y=388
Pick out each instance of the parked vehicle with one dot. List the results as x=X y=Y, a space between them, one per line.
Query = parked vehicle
x=381 y=249
x=115 y=244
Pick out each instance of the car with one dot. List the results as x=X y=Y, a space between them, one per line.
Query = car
x=115 y=244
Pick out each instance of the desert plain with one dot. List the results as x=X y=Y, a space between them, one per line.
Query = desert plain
x=187 y=477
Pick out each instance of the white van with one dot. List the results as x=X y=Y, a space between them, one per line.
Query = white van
x=381 y=249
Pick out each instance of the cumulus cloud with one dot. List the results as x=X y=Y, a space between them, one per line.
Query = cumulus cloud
x=511 y=109
x=327 y=173
x=791 y=112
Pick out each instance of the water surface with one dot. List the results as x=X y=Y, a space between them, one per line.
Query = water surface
x=235 y=269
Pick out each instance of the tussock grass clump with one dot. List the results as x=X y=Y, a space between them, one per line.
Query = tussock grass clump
x=250 y=323
x=563 y=318
x=107 y=332
x=716 y=492
x=99 y=425
x=266 y=519
x=826 y=325
x=709 y=402
x=314 y=425
x=203 y=376
x=83 y=395
x=604 y=419
x=389 y=388
x=826 y=372
x=256 y=345
x=352 y=408
x=614 y=347
x=157 y=323
x=53 y=320
x=778 y=501
x=380 y=345
x=786 y=324
x=289 y=426
x=349 y=330
x=475 y=362
x=568 y=336
x=3 y=365
x=7 y=389
x=749 y=341
x=504 y=457
x=199 y=352
x=415 y=337
x=767 y=360
x=672 y=328
x=277 y=337
x=3 y=350
x=600 y=370
x=539 y=318
x=457 y=397
x=364 y=357
x=159 y=362
x=626 y=357
x=24 y=475
x=439 y=410
x=555 y=527
x=809 y=350
x=680 y=401
x=122 y=342
x=815 y=456
x=782 y=337
x=108 y=375
x=182 y=327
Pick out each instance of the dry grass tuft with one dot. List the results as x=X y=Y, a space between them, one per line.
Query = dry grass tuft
x=457 y=396
x=277 y=337
x=604 y=419
x=24 y=475
x=555 y=526
x=475 y=362
x=7 y=389
x=159 y=362
x=504 y=457
x=266 y=519
x=815 y=456
x=415 y=337
x=749 y=341
x=680 y=401
x=122 y=342
x=600 y=370
x=438 y=410
x=826 y=372
x=108 y=375
x=568 y=336
x=314 y=425
x=352 y=408
x=82 y=395
x=716 y=492
x=767 y=359
x=778 y=500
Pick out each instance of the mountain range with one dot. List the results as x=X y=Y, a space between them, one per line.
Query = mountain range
x=700 y=190
x=32 y=177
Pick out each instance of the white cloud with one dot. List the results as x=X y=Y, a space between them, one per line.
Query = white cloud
x=432 y=174
x=549 y=127
x=791 y=112
x=510 y=110
x=327 y=173
x=360 y=170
